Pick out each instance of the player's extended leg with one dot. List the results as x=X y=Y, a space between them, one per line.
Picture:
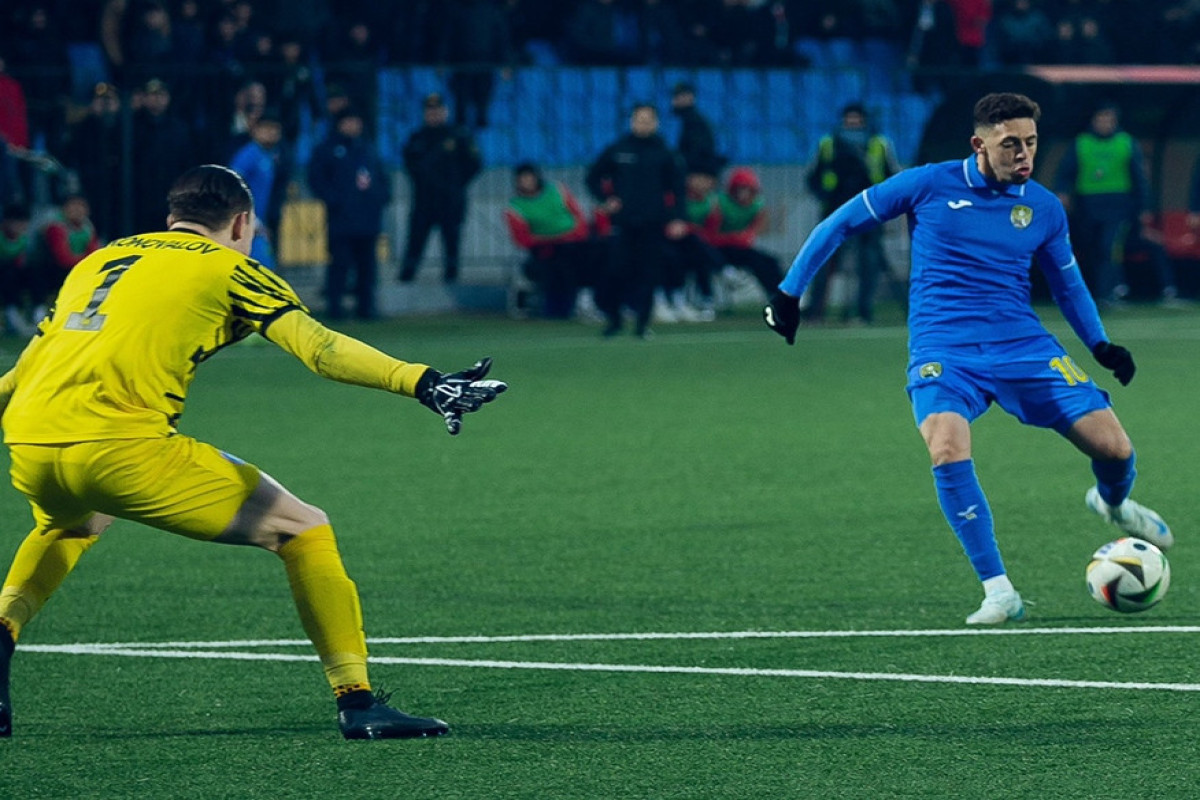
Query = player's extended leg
x=948 y=437
x=327 y=601
x=41 y=564
x=1100 y=436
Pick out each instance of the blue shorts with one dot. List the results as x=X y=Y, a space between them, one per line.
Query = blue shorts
x=1033 y=379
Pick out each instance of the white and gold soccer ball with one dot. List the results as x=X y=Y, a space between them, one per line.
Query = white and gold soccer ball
x=1128 y=575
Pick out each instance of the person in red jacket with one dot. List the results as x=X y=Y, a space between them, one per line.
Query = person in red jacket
x=546 y=220
x=738 y=217
x=66 y=240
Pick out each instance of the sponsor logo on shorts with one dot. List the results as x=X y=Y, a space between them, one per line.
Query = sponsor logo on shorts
x=931 y=370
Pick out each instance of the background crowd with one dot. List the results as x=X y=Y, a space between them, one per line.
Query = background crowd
x=90 y=88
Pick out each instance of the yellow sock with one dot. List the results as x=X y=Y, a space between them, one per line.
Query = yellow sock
x=42 y=561
x=329 y=609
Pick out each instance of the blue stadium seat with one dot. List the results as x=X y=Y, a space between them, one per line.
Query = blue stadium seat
x=88 y=67
x=605 y=83
x=542 y=53
x=422 y=81
x=745 y=88
x=640 y=87
x=532 y=145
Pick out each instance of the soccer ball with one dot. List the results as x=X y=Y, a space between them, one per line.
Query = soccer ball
x=1128 y=575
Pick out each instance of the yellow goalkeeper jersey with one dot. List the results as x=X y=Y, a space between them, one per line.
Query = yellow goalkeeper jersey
x=134 y=320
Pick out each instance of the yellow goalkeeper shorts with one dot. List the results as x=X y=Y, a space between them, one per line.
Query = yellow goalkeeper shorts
x=176 y=484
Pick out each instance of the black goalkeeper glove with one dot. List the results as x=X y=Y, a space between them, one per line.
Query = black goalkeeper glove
x=458 y=393
x=782 y=315
x=1116 y=358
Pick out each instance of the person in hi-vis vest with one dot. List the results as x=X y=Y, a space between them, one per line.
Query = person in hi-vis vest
x=848 y=161
x=1103 y=185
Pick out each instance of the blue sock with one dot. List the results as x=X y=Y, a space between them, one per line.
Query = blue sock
x=1114 y=479
x=967 y=511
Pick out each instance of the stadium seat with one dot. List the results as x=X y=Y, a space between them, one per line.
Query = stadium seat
x=542 y=53
x=88 y=67
x=640 y=86
x=746 y=88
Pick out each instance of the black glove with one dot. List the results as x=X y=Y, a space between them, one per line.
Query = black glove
x=1116 y=358
x=459 y=393
x=782 y=315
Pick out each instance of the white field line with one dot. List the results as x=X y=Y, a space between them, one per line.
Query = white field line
x=667 y=636
x=900 y=677
x=227 y=651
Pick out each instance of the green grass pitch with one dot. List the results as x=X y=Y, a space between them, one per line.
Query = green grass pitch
x=710 y=481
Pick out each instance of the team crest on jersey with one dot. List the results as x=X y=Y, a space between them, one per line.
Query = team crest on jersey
x=1021 y=216
x=931 y=370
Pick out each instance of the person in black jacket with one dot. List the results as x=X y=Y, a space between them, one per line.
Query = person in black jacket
x=162 y=150
x=346 y=174
x=441 y=161
x=697 y=143
x=638 y=180
x=476 y=40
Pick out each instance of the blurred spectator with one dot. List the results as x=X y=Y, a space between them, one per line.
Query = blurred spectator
x=95 y=151
x=263 y=164
x=971 y=18
x=305 y=20
x=291 y=85
x=162 y=149
x=638 y=180
x=662 y=34
x=1022 y=34
x=112 y=35
x=697 y=144
x=18 y=289
x=353 y=63
x=1102 y=183
x=603 y=33
x=67 y=238
x=14 y=119
x=1080 y=38
x=248 y=105
x=880 y=19
x=476 y=41
x=741 y=217
x=734 y=33
x=345 y=173
x=441 y=161
x=150 y=49
x=848 y=161
x=37 y=54
x=11 y=190
x=547 y=221
x=934 y=43
x=690 y=258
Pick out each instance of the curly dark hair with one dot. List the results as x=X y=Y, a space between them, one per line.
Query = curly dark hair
x=992 y=109
x=209 y=195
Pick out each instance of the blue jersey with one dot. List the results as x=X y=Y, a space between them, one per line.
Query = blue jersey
x=973 y=241
x=257 y=168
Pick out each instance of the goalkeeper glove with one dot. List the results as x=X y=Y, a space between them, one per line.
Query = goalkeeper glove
x=458 y=393
x=1116 y=358
x=782 y=315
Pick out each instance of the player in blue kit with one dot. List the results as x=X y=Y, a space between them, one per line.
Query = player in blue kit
x=974 y=338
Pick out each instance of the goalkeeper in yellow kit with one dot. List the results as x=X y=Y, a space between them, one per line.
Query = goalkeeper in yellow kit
x=90 y=411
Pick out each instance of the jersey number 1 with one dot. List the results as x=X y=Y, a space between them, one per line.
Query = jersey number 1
x=90 y=319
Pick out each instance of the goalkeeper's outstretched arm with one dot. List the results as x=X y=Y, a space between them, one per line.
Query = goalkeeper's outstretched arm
x=345 y=359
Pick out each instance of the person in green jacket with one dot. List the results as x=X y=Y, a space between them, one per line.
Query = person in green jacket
x=1102 y=183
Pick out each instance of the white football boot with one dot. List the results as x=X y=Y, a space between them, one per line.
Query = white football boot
x=1133 y=518
x=999 y=608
